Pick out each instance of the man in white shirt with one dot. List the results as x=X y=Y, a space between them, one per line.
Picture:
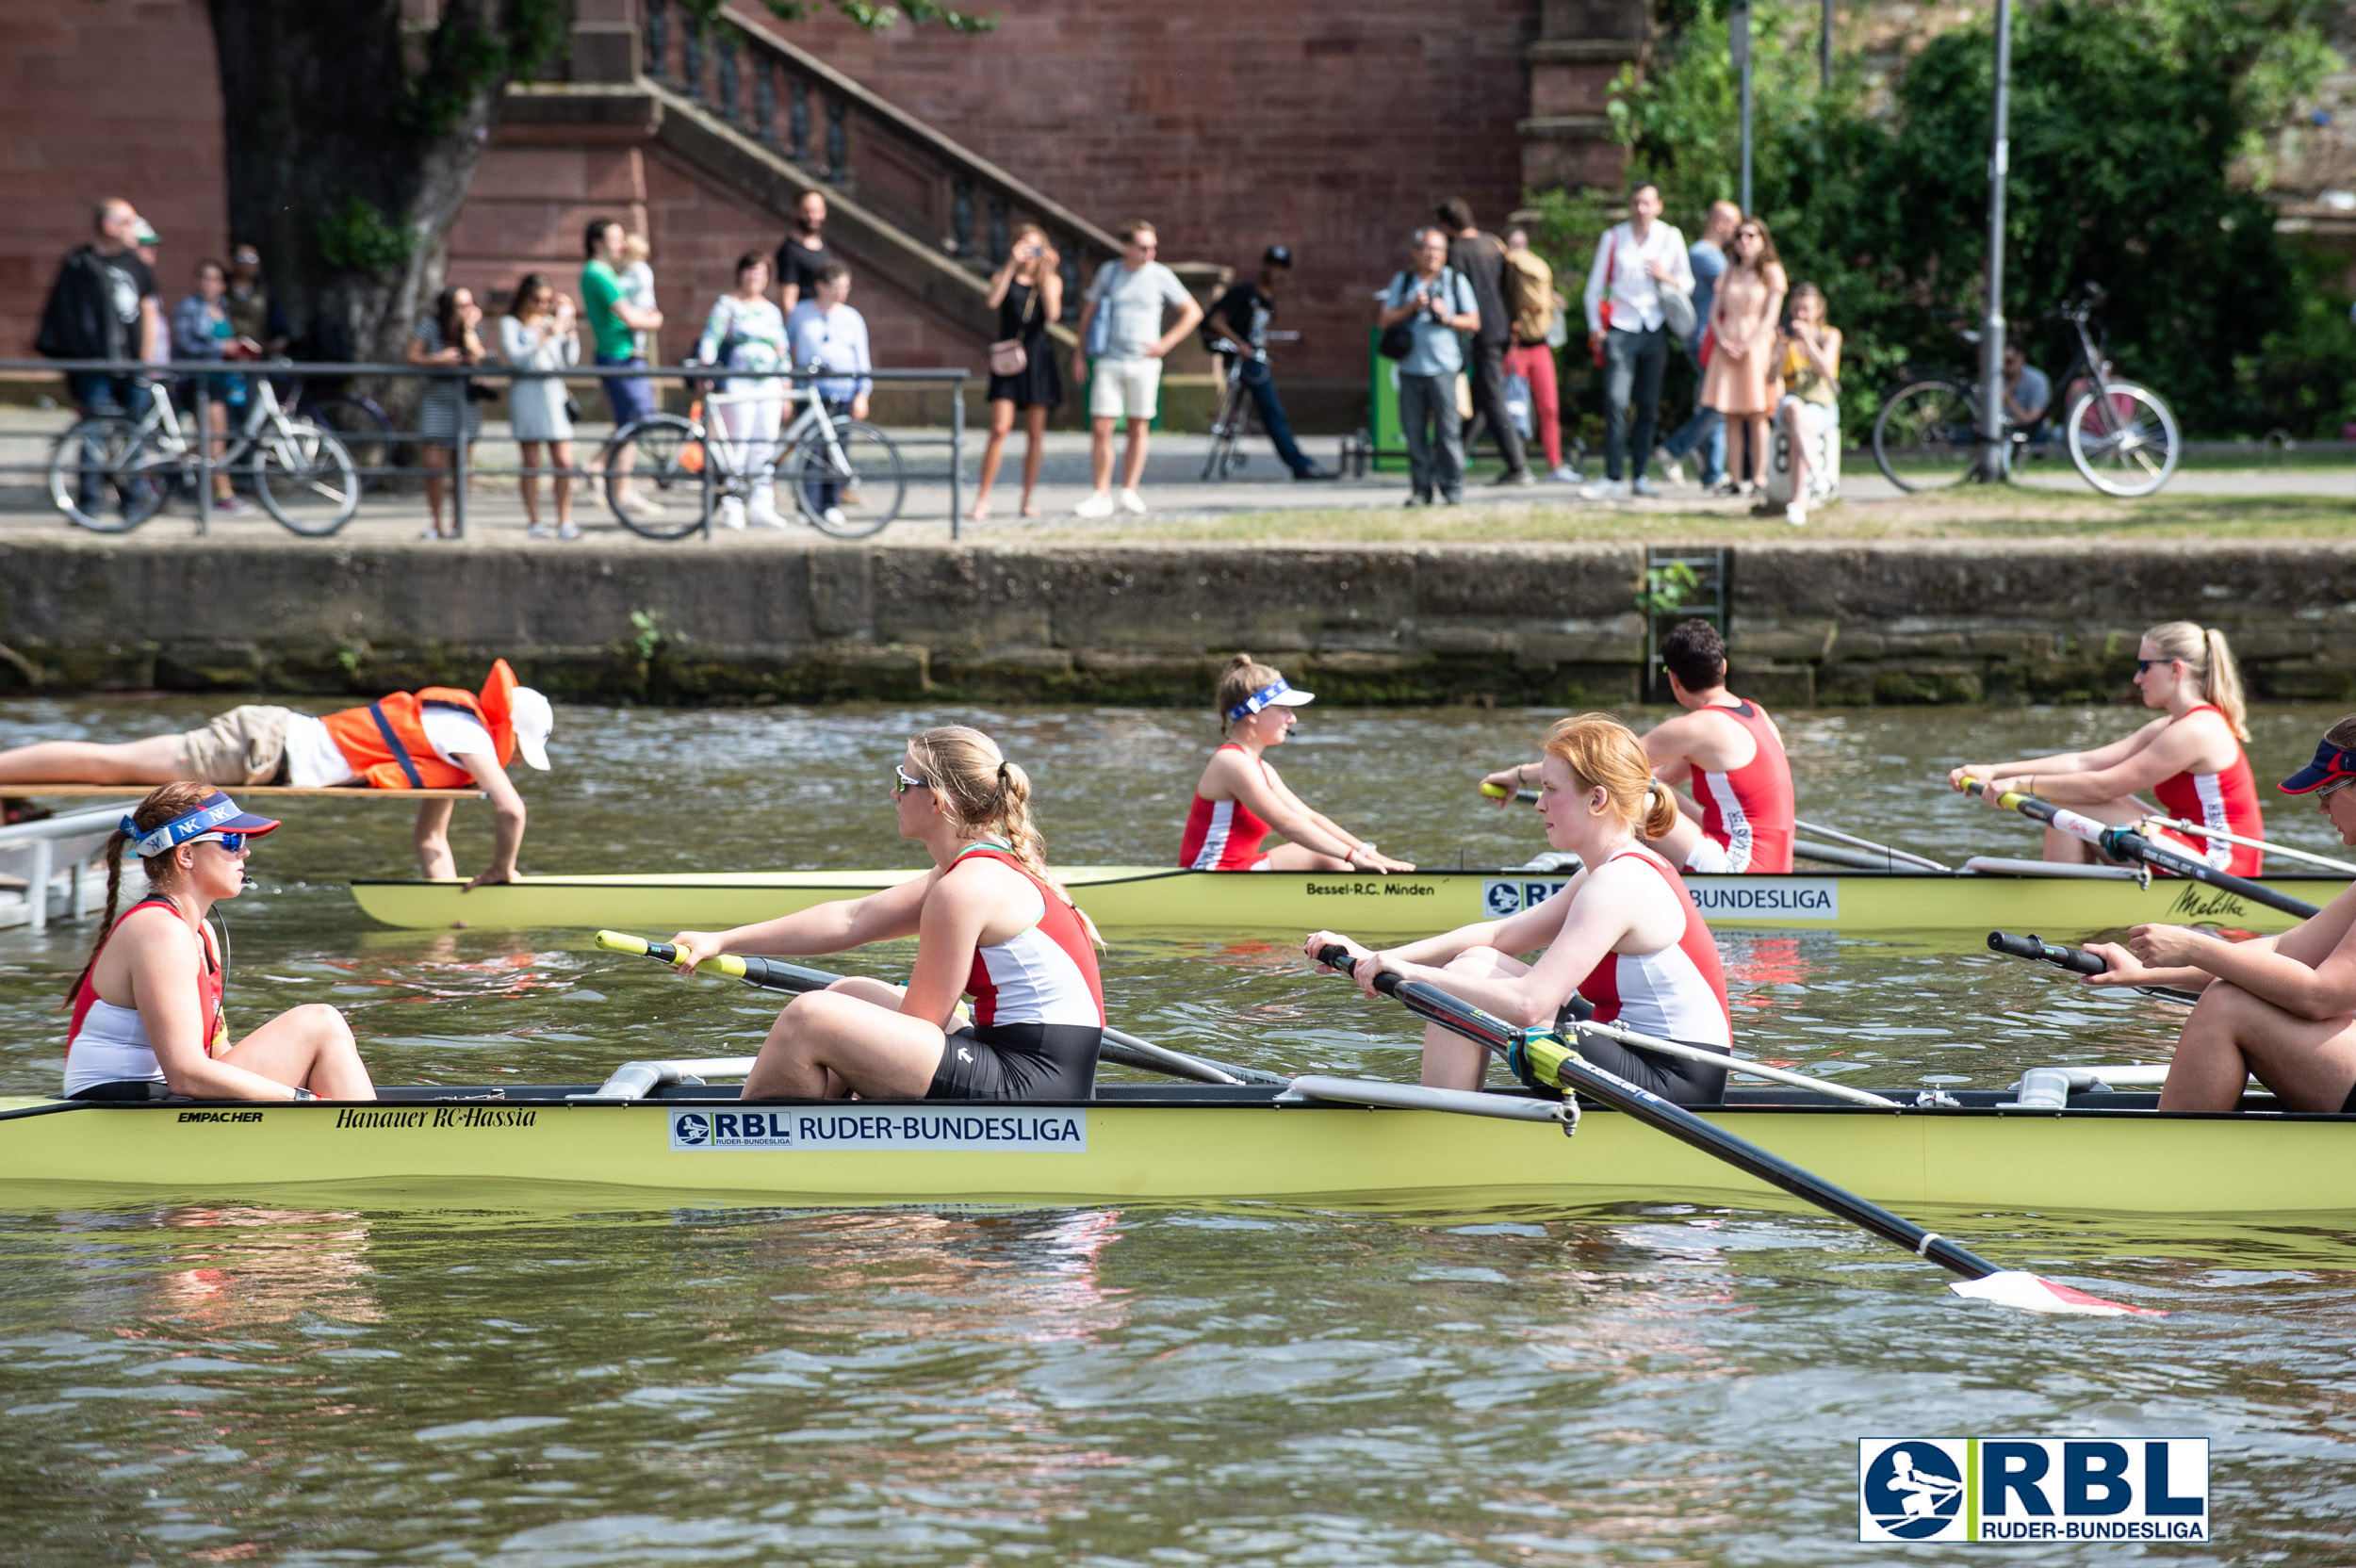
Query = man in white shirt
x=1634 y=262
x=1131 y=294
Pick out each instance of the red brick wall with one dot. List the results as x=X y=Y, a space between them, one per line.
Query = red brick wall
x=113 y=98
x=1234 y=125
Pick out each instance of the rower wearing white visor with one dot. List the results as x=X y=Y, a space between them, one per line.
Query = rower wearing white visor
x=1240 y=800
x=146 y=1019
x=437 y=738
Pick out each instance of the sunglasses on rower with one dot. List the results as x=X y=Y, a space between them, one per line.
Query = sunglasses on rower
x=901 y=783
x=233 y=842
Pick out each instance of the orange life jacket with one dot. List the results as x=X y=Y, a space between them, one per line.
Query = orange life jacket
x=385 y=742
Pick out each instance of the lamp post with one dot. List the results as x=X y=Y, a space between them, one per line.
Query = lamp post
x=1823 y=48
x=1994 y=465
x=1739 y=45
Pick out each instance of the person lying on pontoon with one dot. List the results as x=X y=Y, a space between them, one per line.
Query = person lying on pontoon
x=2282 y=1008
x=990 y=922
x=1623 y=932
x=435 y=738
x=1240 y=801
x=1725 y=748
x=147 y=1017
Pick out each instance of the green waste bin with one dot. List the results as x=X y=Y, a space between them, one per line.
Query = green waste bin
x=1383 y=434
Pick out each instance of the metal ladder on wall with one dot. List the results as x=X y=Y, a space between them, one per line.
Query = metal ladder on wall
x=1702 y=582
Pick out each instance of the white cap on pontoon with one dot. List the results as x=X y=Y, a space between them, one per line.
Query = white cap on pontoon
x=530 y=712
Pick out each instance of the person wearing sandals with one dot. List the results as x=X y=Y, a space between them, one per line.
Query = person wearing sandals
x=446 y=414
x=1028 y=293
x=744 y=332
x=537 y=335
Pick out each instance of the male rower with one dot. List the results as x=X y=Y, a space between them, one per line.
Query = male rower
x=1738 y=816
x=438 y=738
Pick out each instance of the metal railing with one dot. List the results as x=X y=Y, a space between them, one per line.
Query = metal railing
x=29 y=852
x=299 y=375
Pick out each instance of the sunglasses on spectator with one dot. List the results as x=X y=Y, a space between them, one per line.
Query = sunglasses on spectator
x=2143 y=664
x=901 y=783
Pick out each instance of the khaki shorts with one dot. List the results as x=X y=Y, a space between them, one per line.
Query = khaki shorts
x=1124 y=388
x=245 y=745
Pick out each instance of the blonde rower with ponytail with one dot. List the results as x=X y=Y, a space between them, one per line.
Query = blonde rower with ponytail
x=1623 y=932
x=989 y=922
x=2190 y=758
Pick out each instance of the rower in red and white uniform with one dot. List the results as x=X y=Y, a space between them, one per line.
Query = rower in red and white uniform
x=2190 y=758
x=988 y=922
x=439 y=738
x=1240 y=801
x=1726 y=750
x=1623 y=932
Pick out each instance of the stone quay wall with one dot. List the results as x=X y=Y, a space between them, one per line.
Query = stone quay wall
x=757 y=621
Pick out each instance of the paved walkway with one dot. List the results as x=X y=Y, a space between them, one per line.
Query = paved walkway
x=1174 y=491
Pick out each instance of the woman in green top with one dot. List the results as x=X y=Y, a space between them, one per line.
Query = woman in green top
x=1811 y=393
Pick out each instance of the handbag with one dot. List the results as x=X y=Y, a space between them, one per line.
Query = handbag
x=1517 y=404
x=1603 y=313
x=1007 y=356
x=1100 y=337
x=1676 y=312
x=1710 y=342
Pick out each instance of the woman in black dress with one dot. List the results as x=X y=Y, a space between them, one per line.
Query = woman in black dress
x=1028 y=294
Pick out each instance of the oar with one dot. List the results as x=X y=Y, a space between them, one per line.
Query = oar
x=775 y=975
x=1981 y=1280
x=2207 y=832
x=2125 y=844
x=1870 y=846
x=2077 y=960
x=1880 y=859
x=1498 y=792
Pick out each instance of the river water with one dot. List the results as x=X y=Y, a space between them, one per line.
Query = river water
x=270 y=1377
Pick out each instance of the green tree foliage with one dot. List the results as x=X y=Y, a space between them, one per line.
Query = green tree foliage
x=2137 y=136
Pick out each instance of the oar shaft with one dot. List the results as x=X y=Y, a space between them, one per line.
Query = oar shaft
x=2125 y=844
x=2077 y=960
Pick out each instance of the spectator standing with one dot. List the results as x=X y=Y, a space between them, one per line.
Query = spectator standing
x=744 y=332
x=2028 y=393
x=614 y=327
x=1242 y=316
x=827 y=333
x=537 y=335
x=446 y=414
x=1811 y=406
x=1027 y=294
x=1434 y=303
x=202 y=335
x=803 y=254
x=1742 y=318
x=1130 y=294
x=1627 y=330
x=1705 y=430
x=1531 y=356
x=1479 y=259
x=104 y=305
x=254 y=311
x=637 y=276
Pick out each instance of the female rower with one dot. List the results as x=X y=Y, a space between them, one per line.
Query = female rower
x=2191 y=760
x=2281 y=1008
x=988 y=920
x=147 y=1019
x=1240 y=800
x=1623 y=933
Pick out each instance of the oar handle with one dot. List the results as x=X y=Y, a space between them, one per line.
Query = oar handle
x=2125 y=844
x=2077 y=960
x=770 y=975
x=1498 y=792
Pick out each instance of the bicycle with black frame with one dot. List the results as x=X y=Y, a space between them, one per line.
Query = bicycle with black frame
x=1234 y=420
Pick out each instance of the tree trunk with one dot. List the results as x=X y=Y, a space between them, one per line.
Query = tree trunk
x=352 y=136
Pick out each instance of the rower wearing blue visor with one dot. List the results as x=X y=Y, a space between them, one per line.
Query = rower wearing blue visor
x=2280 y=1008
x=147 y=1021
x=1240 y=800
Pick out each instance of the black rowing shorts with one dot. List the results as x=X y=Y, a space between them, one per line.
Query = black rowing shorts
x=1018 y=1061
x=1674 y=1078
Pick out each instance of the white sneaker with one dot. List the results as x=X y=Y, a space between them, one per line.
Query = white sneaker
x=1646 y=488
x=834 y=518
x=1604 y=490
x=1132 y=501
x=1564 y=475
x=1671 y=471
x=763 y=513
x=1098 y=505
x=731 y=513
x=1796 y=512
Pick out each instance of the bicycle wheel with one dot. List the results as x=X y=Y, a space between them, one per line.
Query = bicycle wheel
x=2123 y=439
x=1926 y=436
x=104 y=476
x=365 y=429
x=850 y=492
x=304 y=477
x=653 y=470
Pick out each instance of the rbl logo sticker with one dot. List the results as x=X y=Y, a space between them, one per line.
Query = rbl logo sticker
x=2004 y=1488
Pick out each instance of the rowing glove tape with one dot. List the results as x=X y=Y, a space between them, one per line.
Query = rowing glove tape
x=1536 y=1058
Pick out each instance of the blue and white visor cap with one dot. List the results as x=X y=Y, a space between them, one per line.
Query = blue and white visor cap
x=1274 y=694
x=215 y=813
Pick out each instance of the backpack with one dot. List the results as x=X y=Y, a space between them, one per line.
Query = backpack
x=1528 y=296
x=79 y=322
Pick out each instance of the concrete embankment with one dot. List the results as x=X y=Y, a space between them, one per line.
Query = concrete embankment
x=760 y=620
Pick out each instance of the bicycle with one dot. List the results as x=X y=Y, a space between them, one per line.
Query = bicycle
x=110 y=472
x=1233 y=419
x=358 y=420
x=2122 y=436
x=847 y=477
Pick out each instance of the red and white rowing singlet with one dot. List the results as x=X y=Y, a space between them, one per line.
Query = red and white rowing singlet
x=2227 y=801
x=1222 y=835
x=1045 y=973
x=1679 y=992
x=1747 y=812
x=113 y=1041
